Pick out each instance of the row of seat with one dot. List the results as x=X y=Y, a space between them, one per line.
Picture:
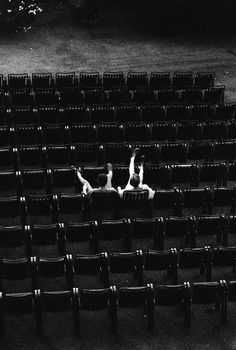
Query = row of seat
x=114 y=132
x=65 y=180
x=97 y=96
x=127 y=234
x=35 y=156
x=39 y=303
x=109 y=113
x=36 y=209
x=108 y=79
x=41 y=272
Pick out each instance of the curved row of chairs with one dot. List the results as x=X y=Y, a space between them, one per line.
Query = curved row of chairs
x=148 y=298
x=70 y=271
x=107 y=80
x=114 y=132
x=82 y=114
x=98 y=96
x=96 y=155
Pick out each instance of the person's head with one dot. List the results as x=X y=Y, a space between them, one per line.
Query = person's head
x=135 y=180
x=102 y=180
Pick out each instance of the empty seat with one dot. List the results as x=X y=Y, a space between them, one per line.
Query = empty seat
x=129 y=265
x=225 y=111
x=46 y=97
x=117 y=153
x=215 y=173
x=27 y=135
x=8 y=158
x=224 y=200
x=142 y=95
x=202 y=112
x=40 y=209
x=4 y=115
x=166 y=202
x=200 y=150
x=76 y=114
x=210 y=230
x=168 y=95
x=14 y=242
x=229 y=237
x=174 y=295
x=24 y=115
x=225 y=150
x=18 y=305
x=65 y=80
x=52 y=274
x=47 y=240
x=138 y=297
x=204 y=79
x=109 y=132
x=196 y=201
x=42 y=80
x=182 y=80
x=10 y=184
x=31 y=157
x=175 y=152
x=189 y=131
x=136 y=132
x=152 y=112
x=194 y=264
x=116 y=95
x=58 y=155
x=102 y=205
x=160 y=80
x=18 y=81
x=185 y=174
x=71 y=96
x=16 y=275
x=213 y=293
x=157 y=175
x=20 y=98
x=114 y=235
x=163 y=131
x=178 y=112
x=214 y=131
x=231 y=129
x=111 y=79
x=223 y=263
x=80 y=133
x=81 y=237
x=146 y=233
x=89 y=153
x=89 y=80
x=179 y=232
x=102 y=113
x=128 y=113
x=160 y=261
x=136 y=79
x=65 y=180
x=55 y=134
x=214 y=95
x=93 y=96
x=94 y=266
x=50 y=115
x=58 y=302
x=12 y=211
x=70 y=207
x=191 y=96
x=100 y=299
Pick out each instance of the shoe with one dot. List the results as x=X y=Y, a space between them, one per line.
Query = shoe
x=135 y=152
x=109 y=167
